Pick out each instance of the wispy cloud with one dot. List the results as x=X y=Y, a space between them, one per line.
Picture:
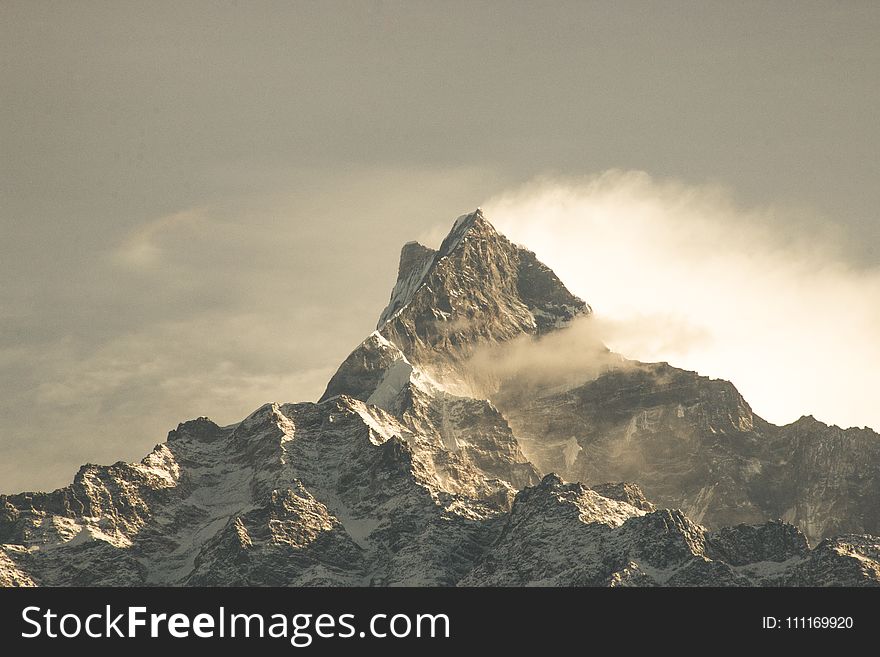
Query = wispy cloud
x=143 y=247
x=759 y=296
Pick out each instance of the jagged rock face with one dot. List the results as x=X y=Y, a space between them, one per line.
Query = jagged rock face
x=376 y=371
x=690 y=442
x=296 y=494
x=561 y=534
x=745 y=544
x=466 y=439
x=10 y=573
x=694 y=443
x=404 y=473
x=850 y=560
x=290 y=538
x=625 y=492
x=824 y=479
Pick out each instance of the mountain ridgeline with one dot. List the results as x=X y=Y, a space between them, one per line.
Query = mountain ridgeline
x=483 y=435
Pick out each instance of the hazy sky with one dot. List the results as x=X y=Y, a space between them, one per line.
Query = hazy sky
x=203 y=202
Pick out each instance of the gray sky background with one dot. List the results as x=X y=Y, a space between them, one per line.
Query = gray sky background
x=203 y=203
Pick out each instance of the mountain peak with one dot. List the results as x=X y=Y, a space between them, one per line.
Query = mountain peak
x=468 y=220
x=474 y=224
x=416 y=260
x=477 y=287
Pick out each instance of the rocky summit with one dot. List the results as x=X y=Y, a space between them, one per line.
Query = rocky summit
x=481 y=436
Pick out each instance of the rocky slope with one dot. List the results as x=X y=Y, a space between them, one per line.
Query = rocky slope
x=406 y=473
x=695 y=444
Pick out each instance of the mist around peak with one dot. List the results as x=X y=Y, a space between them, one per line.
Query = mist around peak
x=762 y=296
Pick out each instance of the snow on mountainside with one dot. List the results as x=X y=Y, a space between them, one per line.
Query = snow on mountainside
x=417 y=468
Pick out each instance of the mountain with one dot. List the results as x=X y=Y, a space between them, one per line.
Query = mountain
x=470 y=440
x=694 y=443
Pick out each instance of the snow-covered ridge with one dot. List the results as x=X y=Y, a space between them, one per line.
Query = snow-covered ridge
x=459 y=229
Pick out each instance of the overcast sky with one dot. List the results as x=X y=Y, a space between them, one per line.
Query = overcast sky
x=203 y=202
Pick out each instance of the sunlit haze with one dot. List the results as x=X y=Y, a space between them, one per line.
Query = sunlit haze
x=681 y=274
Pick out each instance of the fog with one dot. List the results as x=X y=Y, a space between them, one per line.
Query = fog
x=681 y=273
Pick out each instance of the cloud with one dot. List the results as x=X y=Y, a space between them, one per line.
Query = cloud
x=143 y=247
x=568 y=357
x=760 y=296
